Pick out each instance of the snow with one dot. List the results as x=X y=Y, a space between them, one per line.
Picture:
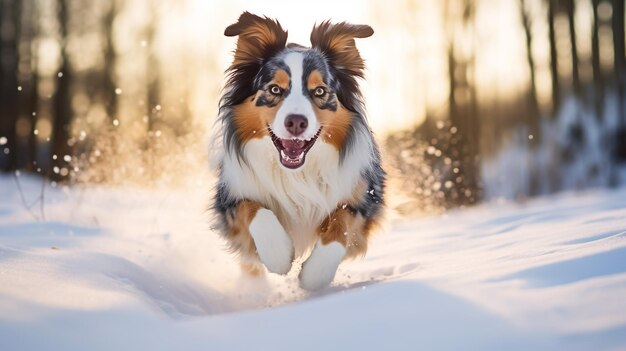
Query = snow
x=128 y=268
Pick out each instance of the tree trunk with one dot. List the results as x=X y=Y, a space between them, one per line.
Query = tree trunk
x=62 y=105
x=9 y=23
x=554 y=65
x=618 y=50
x=452 y=106
x=109 y=87
x=462 y=103
x=571 y=12
x=33 y=107
x=28 y=79
x=533 y=118
x=153 y=83
x=598 y=81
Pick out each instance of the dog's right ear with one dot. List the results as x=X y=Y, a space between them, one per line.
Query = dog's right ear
x=259 y=39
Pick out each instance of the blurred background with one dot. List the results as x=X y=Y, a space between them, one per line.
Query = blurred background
x=472 y=100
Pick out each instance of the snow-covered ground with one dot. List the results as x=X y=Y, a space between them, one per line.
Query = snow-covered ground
x=129 y=269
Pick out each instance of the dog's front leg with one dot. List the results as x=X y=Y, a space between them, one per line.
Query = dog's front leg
x=255 y=233
x=343 y=234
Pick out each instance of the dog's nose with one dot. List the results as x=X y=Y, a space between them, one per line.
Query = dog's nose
x=296 y=124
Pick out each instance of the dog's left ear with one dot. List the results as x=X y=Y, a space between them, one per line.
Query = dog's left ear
x=336 y=41
x=259 y=38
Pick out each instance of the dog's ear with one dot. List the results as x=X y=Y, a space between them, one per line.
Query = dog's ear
x=259 y=38
x=336 y=41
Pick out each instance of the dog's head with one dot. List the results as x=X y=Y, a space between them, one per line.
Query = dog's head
x=292 y=95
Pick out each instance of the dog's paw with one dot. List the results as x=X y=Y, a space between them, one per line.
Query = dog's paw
x=273 y=244
x=319 y=269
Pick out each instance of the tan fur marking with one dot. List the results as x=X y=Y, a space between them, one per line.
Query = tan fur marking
x=281 y=77
x=315 y=80
x=350 y=229
x=346 y=228
x=253 y=269
x=248 y=121
x=336 y=125
x=358 y=193
x=238 y=233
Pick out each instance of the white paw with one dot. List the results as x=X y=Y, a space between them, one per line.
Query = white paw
x=319 y=269
x=273 y=244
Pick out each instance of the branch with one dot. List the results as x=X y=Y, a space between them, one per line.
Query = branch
x=19 y=187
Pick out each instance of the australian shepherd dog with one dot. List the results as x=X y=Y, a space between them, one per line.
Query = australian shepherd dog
x=299 y=170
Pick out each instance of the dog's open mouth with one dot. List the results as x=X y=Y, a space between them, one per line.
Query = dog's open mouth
x=292 y=152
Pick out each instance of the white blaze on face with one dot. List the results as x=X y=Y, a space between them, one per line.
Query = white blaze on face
x=296 y=102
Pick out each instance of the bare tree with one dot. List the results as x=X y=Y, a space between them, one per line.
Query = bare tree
x=62 y=104
x=620 y=67
x=570 y=7
x=533 y=113
x=463 y=112
x=28 y=76
x=618 y=53
x=108 y=72
x=554 y=64
x=9 y=32
x=598 y=80
x=153 y=83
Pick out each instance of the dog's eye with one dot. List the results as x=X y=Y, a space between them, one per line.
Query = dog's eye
x=275 y=90
x=319 y=92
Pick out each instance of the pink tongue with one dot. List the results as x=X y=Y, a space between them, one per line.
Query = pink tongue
x=293 y=143
x=293 y=147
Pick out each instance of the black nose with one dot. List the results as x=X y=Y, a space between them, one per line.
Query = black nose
x=296 y=124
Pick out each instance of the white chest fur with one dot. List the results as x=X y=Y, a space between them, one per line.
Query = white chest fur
x=301 y=198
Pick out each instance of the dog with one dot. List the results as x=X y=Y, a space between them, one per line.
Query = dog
x=299 y=170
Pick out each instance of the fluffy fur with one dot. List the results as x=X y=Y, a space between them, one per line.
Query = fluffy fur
x=292 y=138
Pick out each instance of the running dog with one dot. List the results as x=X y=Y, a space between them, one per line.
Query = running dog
x=299 y=170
